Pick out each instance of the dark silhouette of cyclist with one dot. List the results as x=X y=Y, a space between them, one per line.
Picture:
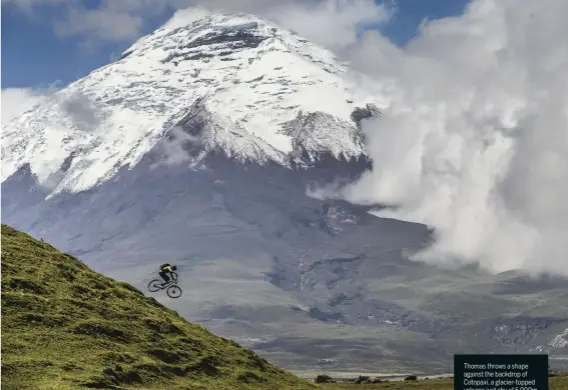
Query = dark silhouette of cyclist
x=166 y=269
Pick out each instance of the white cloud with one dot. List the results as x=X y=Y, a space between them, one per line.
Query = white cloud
x=184 y=17
x=174 y=149
x=16 y=101
x=104 y=24
x=331 y=23
x=474 y=141
x=28 y=5
x=110 y=21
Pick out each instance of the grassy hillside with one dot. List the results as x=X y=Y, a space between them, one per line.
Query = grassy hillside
x=65 y=326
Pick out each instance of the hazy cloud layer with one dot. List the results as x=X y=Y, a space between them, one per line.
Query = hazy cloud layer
x=29 y=5
x=474 y=141
x=16 y=101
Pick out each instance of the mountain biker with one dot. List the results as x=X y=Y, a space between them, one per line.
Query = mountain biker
x=166 y=269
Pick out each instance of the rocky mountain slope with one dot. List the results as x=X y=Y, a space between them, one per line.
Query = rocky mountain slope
x=245 y=86
x=65 y=326
x=175 y=153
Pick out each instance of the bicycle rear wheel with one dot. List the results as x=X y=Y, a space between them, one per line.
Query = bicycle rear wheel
x=155 y=285
x=174 y=292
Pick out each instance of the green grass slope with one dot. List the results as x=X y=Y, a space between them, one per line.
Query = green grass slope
x=65 y=326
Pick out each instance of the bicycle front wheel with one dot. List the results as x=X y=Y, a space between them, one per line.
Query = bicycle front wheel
x=155 y=285
x=174 y=292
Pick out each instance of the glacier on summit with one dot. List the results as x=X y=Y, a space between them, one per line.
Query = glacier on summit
x=264 y=94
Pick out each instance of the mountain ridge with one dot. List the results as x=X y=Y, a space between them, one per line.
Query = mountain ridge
x=260 y=92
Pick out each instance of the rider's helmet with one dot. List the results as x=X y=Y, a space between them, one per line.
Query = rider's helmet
x=174 y=267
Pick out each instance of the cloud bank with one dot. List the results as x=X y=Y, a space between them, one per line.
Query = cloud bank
x=16 y=101
x=474 y=139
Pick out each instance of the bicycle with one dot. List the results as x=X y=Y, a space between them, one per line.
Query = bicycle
x=171 y=287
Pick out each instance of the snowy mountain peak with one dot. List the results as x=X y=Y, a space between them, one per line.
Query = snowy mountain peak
x=231 y=82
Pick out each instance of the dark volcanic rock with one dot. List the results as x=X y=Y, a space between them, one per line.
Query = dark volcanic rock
x=324 y=379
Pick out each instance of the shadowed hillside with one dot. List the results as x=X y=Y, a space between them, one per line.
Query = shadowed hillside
x=65 y=326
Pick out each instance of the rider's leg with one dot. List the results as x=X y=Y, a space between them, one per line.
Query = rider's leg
x=164 y=276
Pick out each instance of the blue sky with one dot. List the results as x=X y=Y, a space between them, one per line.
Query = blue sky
x=35 y=54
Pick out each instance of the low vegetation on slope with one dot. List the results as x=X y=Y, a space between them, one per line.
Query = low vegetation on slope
x=65 y=326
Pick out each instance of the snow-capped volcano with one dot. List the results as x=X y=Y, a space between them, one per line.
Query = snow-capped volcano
x=260 y=260
x=236 y=83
